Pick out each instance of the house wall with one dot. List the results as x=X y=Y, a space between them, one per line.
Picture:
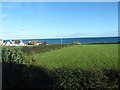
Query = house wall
x=13 y=44
x=21 y=44
x=1 y=42
x=8 y=44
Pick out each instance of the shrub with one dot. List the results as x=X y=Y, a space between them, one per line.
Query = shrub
x=23 y=76
x=12 y=56
x=113 y=76
x=45 y=43
x=27 y=50
x=80 y=79
x=43 y=48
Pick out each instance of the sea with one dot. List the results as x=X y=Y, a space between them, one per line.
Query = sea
x=81 y=40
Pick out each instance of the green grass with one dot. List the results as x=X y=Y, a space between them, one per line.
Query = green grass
x=86 y=66
x=84 y=56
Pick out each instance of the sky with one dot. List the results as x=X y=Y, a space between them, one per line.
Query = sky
x=38 y=20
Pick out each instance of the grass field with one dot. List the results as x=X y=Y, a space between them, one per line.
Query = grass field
x=57 y=66
x=84 y=56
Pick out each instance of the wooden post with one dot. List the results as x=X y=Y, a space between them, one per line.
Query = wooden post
x=61 y=41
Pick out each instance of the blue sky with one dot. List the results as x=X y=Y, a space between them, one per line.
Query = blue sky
x=36 y=20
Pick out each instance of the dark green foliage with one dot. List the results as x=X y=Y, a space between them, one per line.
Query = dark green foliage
x=43 y=48
x=78 y=78
x=12 y=56
x=100 y=43
x=44 y=43
x=113 y=77
x=23 y=76
x=27 y=50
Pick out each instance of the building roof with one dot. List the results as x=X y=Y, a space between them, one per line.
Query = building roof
x=15 y=41
x=34 y=41
x=76 y=41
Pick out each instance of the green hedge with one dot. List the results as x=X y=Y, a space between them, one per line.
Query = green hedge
x=12 y=56
x=78 y=78
x=43 y=48
x=24 y=76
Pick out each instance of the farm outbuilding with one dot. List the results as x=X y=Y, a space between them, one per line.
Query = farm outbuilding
x=34 y=42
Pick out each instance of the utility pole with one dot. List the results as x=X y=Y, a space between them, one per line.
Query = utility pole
x=61 y=41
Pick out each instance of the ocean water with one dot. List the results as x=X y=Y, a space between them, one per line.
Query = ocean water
x=82 y=40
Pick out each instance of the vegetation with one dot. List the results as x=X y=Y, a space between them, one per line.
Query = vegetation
x=48 y=66
x=12 y=56
x=84 y=79
x=43 y=48
x=84 y=56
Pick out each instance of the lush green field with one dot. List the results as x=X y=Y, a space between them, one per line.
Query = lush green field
x=61 y=66
x=84 y=56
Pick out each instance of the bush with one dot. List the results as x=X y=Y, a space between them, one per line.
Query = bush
x=23 y=76
x=43 y=48
x=78 y=79
x=113 y=77
x=45 y=43
x=12 y=56
x=27 y=50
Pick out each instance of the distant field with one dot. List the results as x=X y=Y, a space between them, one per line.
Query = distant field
x=84 y=56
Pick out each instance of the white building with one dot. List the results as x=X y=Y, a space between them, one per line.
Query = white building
x=15 y=43
x=1 y=42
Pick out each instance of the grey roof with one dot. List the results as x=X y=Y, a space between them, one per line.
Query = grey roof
x=16 y=41
x=35 y=41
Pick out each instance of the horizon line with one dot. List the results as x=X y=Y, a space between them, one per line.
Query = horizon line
x=61 y=37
